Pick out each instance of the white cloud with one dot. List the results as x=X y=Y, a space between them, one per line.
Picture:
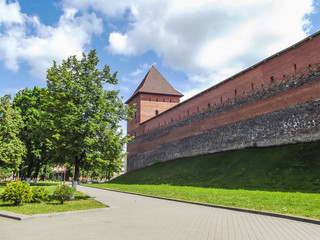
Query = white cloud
x=204 y=36
x=141 y=70
x=137 y=75
x=26 y=39
x=10 y=13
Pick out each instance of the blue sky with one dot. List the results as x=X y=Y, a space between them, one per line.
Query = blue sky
x=194 y=43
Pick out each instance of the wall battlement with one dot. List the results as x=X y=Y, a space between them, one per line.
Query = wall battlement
x=308 y=75
x=273 y=103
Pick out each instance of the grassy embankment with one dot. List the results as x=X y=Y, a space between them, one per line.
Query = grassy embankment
x=278 y=179
x=80 y=202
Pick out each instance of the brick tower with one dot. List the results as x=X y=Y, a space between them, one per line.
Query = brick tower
x=153 y=96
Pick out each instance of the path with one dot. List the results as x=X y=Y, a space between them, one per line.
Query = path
x=135 y=217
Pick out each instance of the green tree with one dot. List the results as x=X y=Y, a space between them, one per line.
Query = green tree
x=84 y=119
x=12 y=148
x=4 y=173
x=29 y=102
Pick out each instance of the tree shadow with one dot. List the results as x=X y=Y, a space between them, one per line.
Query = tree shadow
x=44 y=184
x=81 y=197
x=3 y=184
x=53 y=203
x=8 y=205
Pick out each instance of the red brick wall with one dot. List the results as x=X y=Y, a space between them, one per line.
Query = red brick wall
x=281 y=101
x=146 y=107
x=277 y=67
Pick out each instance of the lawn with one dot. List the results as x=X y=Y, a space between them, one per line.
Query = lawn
x=80 y=202
x=283 y=179
x=290 y=203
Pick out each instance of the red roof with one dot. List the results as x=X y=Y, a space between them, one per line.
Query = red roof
x=155 y=83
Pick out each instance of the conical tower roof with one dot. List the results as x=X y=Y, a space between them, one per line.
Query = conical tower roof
x=155 y=83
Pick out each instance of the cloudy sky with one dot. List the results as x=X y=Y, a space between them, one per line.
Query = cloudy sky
x=194 y=43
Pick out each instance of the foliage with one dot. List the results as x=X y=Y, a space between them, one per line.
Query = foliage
x=63 y=193
x=83 y=118
x=17 y=192
x=80 y=202
x=12 y=148
x=4 y=173
x=39 y=194
x=29 y=102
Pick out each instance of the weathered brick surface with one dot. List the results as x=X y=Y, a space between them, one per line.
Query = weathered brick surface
x=299 y=123
x=264 y=105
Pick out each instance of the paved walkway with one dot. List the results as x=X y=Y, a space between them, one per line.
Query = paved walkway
x=135 y=217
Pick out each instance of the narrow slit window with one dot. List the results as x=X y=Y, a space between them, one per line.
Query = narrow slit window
x=295 y=67
x=157 y=112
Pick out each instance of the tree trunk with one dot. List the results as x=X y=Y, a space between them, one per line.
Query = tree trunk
x=30 y=166
x=37 y=172
x=76 y=172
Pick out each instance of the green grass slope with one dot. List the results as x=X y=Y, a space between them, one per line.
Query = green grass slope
x=293 y=167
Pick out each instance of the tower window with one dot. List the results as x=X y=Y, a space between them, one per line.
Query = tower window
x=295 y=67
x=235 y=92
x=157 y=112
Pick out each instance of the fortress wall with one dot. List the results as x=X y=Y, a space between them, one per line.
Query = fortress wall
x=148 y=103
x=278 y=67
x=134 y=124
x=276 y=102
x=298 y=123
x=239 y=112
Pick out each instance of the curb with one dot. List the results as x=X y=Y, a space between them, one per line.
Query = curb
x=279 y=215
x=20 y=217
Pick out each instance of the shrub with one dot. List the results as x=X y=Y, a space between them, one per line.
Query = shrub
x=39 y=194
x=62 y=193
x=17 y=192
